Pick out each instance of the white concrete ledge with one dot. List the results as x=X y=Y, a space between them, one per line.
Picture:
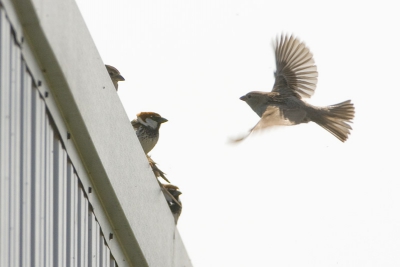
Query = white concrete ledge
x=103 y=147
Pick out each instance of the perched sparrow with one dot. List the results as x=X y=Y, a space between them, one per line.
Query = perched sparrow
x=114 y=75
x=296 y=78
x=157 y=172
x=172 y=193
x=147 y=127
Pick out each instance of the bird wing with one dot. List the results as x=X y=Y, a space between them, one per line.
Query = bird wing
x=296 y=73
x=135 y=124
x=273 y=116
x=168 y=196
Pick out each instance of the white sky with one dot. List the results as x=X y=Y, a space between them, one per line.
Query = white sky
x=292 y=196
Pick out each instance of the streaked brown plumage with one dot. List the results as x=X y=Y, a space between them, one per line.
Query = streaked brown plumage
x=295 y=79
x=147 y=126
x=114 y=75
x=171 y=194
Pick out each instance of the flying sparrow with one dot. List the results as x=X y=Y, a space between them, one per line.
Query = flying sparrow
x=171 y=194
x=114 y=75
x=295 y=79
x=147 y=127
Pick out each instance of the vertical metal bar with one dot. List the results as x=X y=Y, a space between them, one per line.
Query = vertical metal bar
x=56 y=160
x=83 y=248
x=26 y=169
x=49 y=198
x=75 y=191
x=15 y=160
x=91 y=236
x=38 y=190
x=71 y=241
x=41 y=181
x=106 y=255
x=101 y=248
x=97 y=239
x=4 y=137
x=112 y=262
x=68 y=216
x=33 y=253
x=60 y=174
x=82 y=227
x=63 y=207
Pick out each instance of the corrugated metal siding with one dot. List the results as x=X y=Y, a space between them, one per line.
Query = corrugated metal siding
x=46 y=218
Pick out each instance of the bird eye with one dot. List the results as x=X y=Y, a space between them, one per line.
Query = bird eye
x=248 y=96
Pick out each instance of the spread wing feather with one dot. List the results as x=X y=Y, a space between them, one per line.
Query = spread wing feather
x=296 y=72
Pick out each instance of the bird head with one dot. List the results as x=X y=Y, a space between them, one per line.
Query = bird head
x=114 y=75
x=256 y=100
x=150 y=119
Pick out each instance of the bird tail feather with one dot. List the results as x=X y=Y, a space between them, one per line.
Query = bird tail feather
x=336 y=118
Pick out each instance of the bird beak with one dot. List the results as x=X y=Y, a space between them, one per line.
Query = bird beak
x=120 y=78
x=243 y=98
x=161 y=120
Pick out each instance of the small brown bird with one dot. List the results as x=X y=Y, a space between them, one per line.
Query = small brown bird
x=114 y=75
x=147 y=126
x=295 y=79
x=171 y=194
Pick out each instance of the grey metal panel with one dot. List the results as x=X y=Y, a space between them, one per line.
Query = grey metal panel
x=4 y=137
x=44 y=213
x=92 y=110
